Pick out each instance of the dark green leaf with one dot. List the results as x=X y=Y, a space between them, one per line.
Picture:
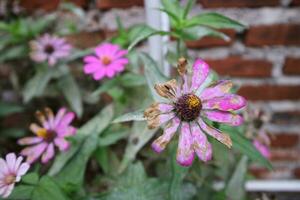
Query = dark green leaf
x=14 y=52
x=131 y=79
x=215 y=20
x=8 y=108
x=196 y=33
x=112 y=137
x=31 y=178
x=71 y=91
x=187 y=8
x=22 y=192
x=235 y=189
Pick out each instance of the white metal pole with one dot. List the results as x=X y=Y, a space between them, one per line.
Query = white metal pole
x=157 y=44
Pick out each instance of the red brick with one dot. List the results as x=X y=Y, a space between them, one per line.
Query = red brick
x=286 y=118
x=270 y=92
x=210 y=41
x=278 y=34
x=284 y=140
x=237 y=66
x=107 y=4
x=32 y=5
x=285 y=155
x=86 y=39
x=292 y=66
x=264 y=173
x=237 y=3
x=295 y=3
x=297 y=172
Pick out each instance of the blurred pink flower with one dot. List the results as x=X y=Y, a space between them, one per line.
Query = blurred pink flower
x=187 y=107
x=11 y=171
x=262 y=144
x=49 y=48
x=108 y=61
x=53 y=132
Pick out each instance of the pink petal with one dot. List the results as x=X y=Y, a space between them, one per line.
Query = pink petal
x=91 y=68
x=217 y=90
x=18 y=163
x=227 y=102
x=52 y=60
x=48 y=154
x=23 y=169
x=185 y=152
x=99 y=74
x=61 y=112
x=8 y=190
x=91 y=59
x=67 y=119
x=61 y=143
x=161 y=142
x=109 y=73
x=201 y=145
x=200 y=73
x=221 y=137
x=34 y=152
x=3 y=167
x=165 y=108
x=163 y=118
x=263 y=149
x=120 y=54
x=29 y=140
x=10 y=161
x=224 y=117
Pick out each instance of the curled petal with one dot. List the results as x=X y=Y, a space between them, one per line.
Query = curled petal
x=200 y=73
x=185 y=152
x=217 y=90
x=227 y=102
x=34 y=152
x=167 y=90
x=221 y=137
x=201 y=145
x=161 y=142
x=62 y=144
x=29 y=140
x=224 y=117
x=155 y=121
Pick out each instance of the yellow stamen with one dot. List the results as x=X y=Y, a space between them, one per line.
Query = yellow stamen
x=193 y=101
x=42 y=133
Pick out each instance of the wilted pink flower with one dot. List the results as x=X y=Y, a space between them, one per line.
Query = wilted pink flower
x=49 y=48
x=11 y=171
x=108 y=61
x=53 y=132
x=262 y=144
x=188 y=104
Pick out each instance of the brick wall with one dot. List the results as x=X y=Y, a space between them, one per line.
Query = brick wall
x=264 y=60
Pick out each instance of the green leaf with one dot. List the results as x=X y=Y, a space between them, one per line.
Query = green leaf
x=8 y=108
x=153 y=75
x=140 y=33
x=235 y=189
x=42 y=23
x=47 y=189
x=244 y=145
x=112 y=137
x=104 y=87
x=71 y=91
x=178 y=174
x=14 y=52
x=37 y=84
x=140 y=135
x=31 y=178
x=21 y=192
x=132 y=116
x=131 y=80
x=102 y=158
x=187 y=8
x=173 y=9
x=215 y=20
x=196 y=33
x=135 y=185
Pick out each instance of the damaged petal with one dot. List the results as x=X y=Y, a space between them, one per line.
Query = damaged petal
x=182 y=66
x=167 y=90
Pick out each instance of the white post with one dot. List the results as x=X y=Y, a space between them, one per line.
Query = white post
x=157 y=44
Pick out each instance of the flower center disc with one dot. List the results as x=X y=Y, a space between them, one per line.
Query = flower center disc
x=49 y=49
x=47 y=135
x=106 y=60
x=188 y=107
x=9 y=179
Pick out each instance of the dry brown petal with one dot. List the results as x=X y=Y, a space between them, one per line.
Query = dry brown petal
x=167 y=90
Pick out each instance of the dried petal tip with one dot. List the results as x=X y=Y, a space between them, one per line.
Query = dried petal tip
x=167 y=90
x=151 y=114
x=182 y=66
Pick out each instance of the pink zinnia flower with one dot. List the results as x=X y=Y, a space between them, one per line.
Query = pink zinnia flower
x=11 y=171
x=262 y=144
x=108 y=61
x=188 y=104
x=49 y=48
x=53 y=132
